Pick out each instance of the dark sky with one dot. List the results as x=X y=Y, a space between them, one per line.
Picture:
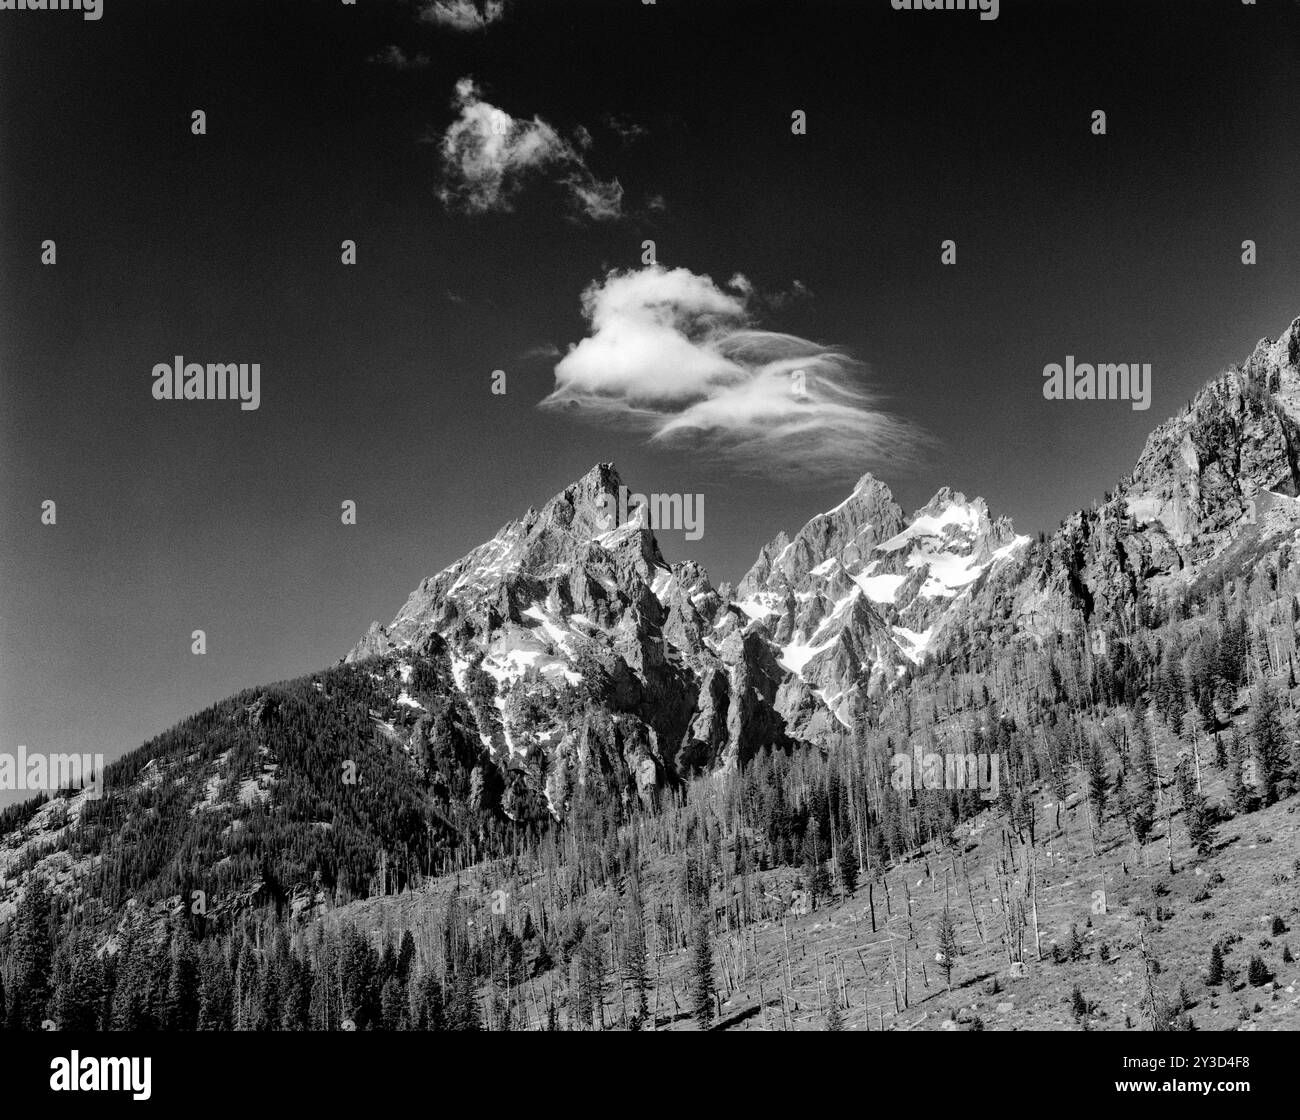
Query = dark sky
x=375 y=378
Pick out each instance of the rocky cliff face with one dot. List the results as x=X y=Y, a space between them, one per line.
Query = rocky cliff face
x=1197 y=491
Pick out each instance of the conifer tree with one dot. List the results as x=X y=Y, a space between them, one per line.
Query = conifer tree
x=32 y=958
x=948 y=946
x=215 y=991
x=702 y=971
x=1268 y=740
x=1214 y=975
x=848 y=867
x=1241 y=796
x=181 y=1010
x=79 y=998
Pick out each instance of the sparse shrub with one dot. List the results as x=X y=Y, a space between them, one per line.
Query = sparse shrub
x=1279 y=926
x=1078 y=1005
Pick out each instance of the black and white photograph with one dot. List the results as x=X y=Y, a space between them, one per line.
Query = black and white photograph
x=648 y=516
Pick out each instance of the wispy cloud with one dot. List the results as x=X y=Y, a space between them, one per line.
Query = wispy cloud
x=488 y=156
x=675 y=355
x=395 y=58
x=462 y=15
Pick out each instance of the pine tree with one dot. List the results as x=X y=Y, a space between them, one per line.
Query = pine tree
x=1078 y=1005
x=591 y=982
x=405 y=956
x=133 y=1006
x=1240 y=796
x=1140 y=788
x=1257 y=972
x=834 y=1020
x=428 y=1014
x=1214 y=976
x=463 y=1010
x=1269 y=741
x=215 y=992
x=392 y=1003
x=702 y=971
x=848 y=867
x=181 y=1010
x=32 y=958
x=948 y=946
x=78 y=999
x=635 y=968
x=1098 y=783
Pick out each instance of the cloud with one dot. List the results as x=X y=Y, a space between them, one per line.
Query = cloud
x=488 y=155
x=462 y=15
x=675 y=355
x=397 y=59
x=624 y=127
x=547 y=351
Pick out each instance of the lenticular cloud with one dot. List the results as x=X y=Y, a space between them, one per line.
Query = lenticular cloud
x=678 y=356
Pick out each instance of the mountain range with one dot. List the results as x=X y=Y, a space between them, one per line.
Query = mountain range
x=565 y=659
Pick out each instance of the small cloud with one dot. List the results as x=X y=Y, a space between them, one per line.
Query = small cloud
x=741 y=283
x=462 y=15
x=488 y=155
x=395 y=58
x=624 y=127
x=679 y=357
x=546 y=351
x=601 y=202
x=797 y=291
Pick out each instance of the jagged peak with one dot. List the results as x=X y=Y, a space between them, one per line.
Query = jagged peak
x=1284 y=348
x=868 y=486
x=950 y=502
